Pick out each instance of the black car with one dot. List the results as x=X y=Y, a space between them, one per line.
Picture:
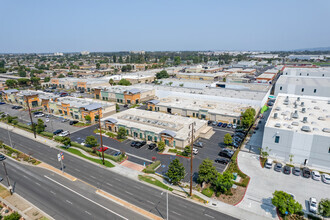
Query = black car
x=306 y=172
x=296 y=171
x=133 y=143
x=224 y=125
x=198 y=144
x=2 y=103
x=287 y=170
x=152 y=146
x=73 y=122
x=239 y=134
x=226 y=153
x=143 y=143
x=209 y=122
x=37 y=113
x=58 y=131
x=138 y=144
x=2 y=157
x=125 y=106
x=222 y=160
x=17 y=107
x=278 y=167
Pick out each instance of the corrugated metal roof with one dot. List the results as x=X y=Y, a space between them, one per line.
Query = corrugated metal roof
x=9 y=91
x=133 y=91
x=92 y=106
x=154 y=101
x=112 y=120
x=169 y=132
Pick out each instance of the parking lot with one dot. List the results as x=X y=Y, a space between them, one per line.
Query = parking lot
x=55 y=122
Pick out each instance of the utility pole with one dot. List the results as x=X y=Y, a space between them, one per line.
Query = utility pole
x=32 y=124
x=192 y=125
x=10 y=188
x=101 y=136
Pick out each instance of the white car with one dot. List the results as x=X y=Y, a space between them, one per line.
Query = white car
x=39 y=115
x=234 y=126
x=269 y=163
x=312 y=205
x=325 y=178
x=316 y=175
x=64 y=134
x=195 y=151
x=47 y=119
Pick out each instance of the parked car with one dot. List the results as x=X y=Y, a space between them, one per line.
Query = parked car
x=226 y=153
x=239 y=134
x=2 y=103
x=133 y=143
x=102 y=149
x=325 y=178
x=125 y=106
x=287 y=169
x=58 y=131
x=224 y=125
x=316 y=175
x=220 y=124
x=269 y=163
x=143 y=143
x=306 y=172
x=229 y=125
x=234 y=126
x=278 y=167
x=195 y=151
x=17 y=107
x=64 y=134
x=198 y=144
x=138 y=144
x=222 y=160
x=39 y=115
x=312 y=205
x=73 y=122
x=47 y=119
x=63 y=94
x=64 y=120
x=2 y=157
x=152 y=146
x=209 y=122
x=117 y=153
x=214 y=123
x=296 y=171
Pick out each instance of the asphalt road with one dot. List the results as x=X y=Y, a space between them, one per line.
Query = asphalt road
x=132 y=191
x=59 y=197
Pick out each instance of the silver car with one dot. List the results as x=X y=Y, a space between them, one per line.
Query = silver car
x=325 y=178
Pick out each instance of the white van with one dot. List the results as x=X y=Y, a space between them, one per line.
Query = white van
x=269 y=163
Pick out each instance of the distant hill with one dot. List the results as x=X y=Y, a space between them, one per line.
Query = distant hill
x=315 y=49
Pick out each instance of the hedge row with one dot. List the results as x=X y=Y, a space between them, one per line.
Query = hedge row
x=47 y=134
x=22 y=125
x=151 y=168
x=75 y=144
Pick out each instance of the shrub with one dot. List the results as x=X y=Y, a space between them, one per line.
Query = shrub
x=47 y=134
x=161 y=146
x=110 y=134
x=87 y=149
x=13 y=216
x=22 y=125
x=324 y=207
x=151 y=167
x=173 y=150
x=208 y=192
x=58 y=138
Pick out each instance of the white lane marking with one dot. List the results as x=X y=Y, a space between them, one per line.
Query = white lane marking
x=76 y=169
x=150 y=202
x=68 y=202
x=137 y=187
x=117 y=179
x=209 y=215
x=88 y=213
x=85 y=197
x=52 y=192
x=129 y=193
x=175 y=213
x=93 y=177
x=25 y=176
x=109 y=184
x=38 y=184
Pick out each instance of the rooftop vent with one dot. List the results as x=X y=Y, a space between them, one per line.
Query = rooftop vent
x=289 y=126
x=316 y=107
x=285 y=103
x=328 y=116
x=278 y=125
x=321 y=118
x=313 y=123
x=275 y=115
x=305 y=120
x=278 y=108
x=287 y=99
x=295 y=104
x=303 y=110
x=295 y=123
x=302 y=104
x=295 y=114
x=298 y=99
x=306 y=128
x=316 y=129
x=313 y=101
x=327 y=130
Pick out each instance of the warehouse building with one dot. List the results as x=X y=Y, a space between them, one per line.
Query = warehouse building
x=219 y=111
x=124 y=94
x=157 y=126
x=299 y=126
x=265 y=78
x=303 y=85
x=203 y=76
x=307 y=71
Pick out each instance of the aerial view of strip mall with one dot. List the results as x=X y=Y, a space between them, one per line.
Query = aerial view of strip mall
x=165 y=110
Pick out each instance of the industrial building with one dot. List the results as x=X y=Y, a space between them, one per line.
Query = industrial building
x=219 y=111
x=299 y=128
x=203 y=76
x=80 y=84
x=307 y=71
x=265 y=78
x=157 y=126
x=124 y=94
x=303 y=85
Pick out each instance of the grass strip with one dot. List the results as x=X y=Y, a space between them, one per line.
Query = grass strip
x=99 y=161
x=155 y=182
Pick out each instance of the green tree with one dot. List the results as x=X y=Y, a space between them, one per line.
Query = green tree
x=22 y=73
x=35 y=80
x=285 y=203
x=224 y=182
x=121 y=134
x=40 y=126
x=23 y=81
x=264 y=153
x=187 y=151
x=161 y=146
x=88 y=118
x=124 y=82
x=10 y=119
x=2 y=64
x=324 y=207
x=13 y=216
x=248 y=117
x=175 y=171
x=162 y=74
x=227 y=139
x=224 y=79
x=66 y=141
x=111 y=82
x=170 y=83
x=61 y=76
x=91 y=141
x=181 y=85
x=47 y=79
x=117 y=108
x=81 y=63
x=207 y=172
x=177 y=60
x=11 y=83
x=70 y=73
x=98 y=65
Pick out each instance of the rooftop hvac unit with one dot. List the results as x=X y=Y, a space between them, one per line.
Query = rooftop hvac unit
x=313 y=101
x=278 y=125
x=285 y=103
x=321 y=118
x=327 y=130
x=316 y=107
x=298 y=99
x=316 y=129
x=305 y=120
x=287 y=99
x=295 y=114
x=295 y=104
x=275 y=115
x=306 y=128
x=295 y=123
x=289 y=126
x=302 y=104
x=303 y=110
x=278 y=108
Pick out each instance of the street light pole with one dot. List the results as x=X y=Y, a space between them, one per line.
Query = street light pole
x=101 y=136
x=10 y=188
x=33 y=128
x=11 y=144
x=191 y=155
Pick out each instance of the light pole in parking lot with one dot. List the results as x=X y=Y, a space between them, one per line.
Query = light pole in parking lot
x=191 y=135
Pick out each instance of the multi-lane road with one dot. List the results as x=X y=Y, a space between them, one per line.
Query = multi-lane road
x=132 y=191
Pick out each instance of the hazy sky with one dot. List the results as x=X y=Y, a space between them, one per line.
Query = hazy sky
x=106 y=25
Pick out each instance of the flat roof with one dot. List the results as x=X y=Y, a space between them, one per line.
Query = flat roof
x=212 y=107
x=122 y=89
x=304 y=80
x=84 y=102
x=291 y=117
x=205 y=74
x=266 y=75
x=156 y=122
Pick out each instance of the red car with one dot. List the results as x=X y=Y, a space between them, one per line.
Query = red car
x=102 y=149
